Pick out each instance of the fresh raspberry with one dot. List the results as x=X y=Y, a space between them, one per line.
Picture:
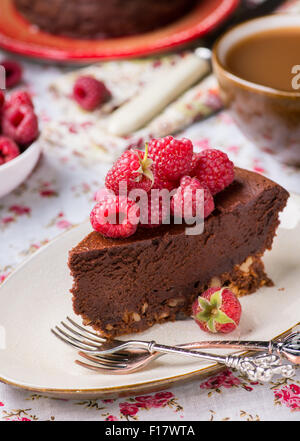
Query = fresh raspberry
x=20 y=98
x=187 y=201
x=161 y=183
x=13 y=73
x=90 y=93
x=103 y=193
x=2 y=100
x=214 y=169
x=134 y=169
x=115 y=217
x=217 y=310
x=153 y=212
x=172 y=157
x=194 y=163
x=21 y=124
x=8 y=150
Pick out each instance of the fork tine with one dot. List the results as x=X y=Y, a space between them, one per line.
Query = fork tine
x=101 y=339
x=115 y=356
x=112 y=358
x=103 y=362
x=103 y=370
x=67 y=341
x=87 y=343
x=80 y=344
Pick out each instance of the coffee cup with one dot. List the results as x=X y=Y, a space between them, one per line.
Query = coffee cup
x=268 y=116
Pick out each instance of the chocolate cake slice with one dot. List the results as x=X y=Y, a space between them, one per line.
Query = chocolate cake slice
x=124 y=286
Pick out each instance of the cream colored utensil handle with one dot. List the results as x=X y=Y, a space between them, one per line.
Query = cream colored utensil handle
x=157 y=95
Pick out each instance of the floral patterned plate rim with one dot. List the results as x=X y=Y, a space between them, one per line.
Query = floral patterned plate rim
x=35 y=297
x=17 y=35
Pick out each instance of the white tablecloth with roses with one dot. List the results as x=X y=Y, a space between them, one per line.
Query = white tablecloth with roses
x=58 y=195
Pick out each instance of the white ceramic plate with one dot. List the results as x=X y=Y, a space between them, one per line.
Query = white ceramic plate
x=36 y=297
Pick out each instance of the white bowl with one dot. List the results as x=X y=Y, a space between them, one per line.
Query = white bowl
x=14 y=172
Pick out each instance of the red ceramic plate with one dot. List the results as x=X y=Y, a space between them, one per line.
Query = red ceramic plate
x=17 y=35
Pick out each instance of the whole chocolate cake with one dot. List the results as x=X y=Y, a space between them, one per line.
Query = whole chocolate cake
x=102 y=18
x=124 y=286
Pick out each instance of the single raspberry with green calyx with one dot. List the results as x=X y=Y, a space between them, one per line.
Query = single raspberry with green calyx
x=133 y=168
x=217 y=310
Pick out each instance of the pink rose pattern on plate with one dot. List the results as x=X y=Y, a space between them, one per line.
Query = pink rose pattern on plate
x=59 y=193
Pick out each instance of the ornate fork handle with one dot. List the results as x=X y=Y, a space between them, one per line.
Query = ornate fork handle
x=259 y=368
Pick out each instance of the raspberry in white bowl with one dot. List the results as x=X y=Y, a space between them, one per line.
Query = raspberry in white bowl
x=19 y=131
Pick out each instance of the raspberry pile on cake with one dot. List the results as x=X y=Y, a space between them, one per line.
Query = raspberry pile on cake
x=168 y=164
x=141 y=267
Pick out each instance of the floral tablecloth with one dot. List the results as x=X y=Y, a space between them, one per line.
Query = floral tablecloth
x=58 y=195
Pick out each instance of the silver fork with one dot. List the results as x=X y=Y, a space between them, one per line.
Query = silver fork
x=125 y=357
